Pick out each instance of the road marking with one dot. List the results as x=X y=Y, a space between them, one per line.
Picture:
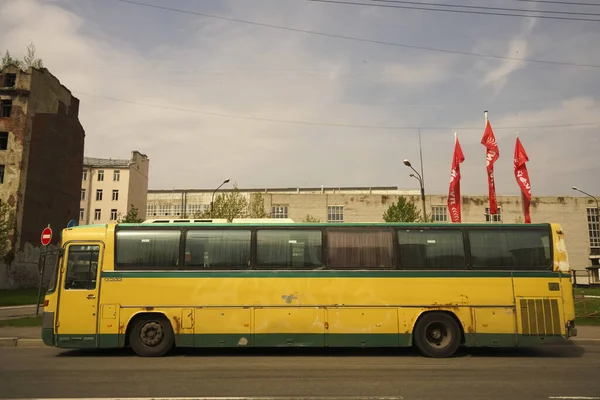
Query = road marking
x=574 y=398
x=235 y=398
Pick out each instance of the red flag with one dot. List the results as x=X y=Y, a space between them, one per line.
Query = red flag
x=492 y=154
x=454 y=191
x=523 y=178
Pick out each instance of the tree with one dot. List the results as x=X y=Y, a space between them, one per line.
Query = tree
x=257 y=206
x=30 y=59
x=8 y=60
x=131 y=217
x=403 y=211
x=234 y=205
x=7 y=224
x=311 y=219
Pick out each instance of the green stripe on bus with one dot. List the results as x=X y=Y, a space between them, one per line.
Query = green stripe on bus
x=315 y=340
x=332 y=274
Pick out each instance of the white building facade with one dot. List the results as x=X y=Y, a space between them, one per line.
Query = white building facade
x=110 y=187
x=577 y=215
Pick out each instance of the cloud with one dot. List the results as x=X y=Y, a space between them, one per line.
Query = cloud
x=518 y=47
x=181 y=64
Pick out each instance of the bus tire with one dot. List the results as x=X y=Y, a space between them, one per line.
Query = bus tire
x=437 y=335
x=151 y=336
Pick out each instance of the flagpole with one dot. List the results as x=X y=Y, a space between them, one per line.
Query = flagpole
x=522 y=194
x=485 y=116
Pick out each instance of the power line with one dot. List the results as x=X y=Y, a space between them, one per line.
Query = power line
x=358 y=39
x=453 y=11
x=329 y=124
x=487 y=8
x=561 y=2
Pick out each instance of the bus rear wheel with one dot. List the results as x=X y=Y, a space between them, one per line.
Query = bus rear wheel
x=151 y=336
x=437 y=335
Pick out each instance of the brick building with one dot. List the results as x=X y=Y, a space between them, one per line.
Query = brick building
x=41 y=152
x=577 y=215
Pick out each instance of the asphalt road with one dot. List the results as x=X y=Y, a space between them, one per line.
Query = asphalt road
x=550 y=372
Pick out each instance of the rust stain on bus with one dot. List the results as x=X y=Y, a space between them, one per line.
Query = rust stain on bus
x=177 y=324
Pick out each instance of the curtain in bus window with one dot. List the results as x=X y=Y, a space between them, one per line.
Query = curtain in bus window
x=206 y=249
x=148 y=249
x=514 y=248
x=360 y=249
x=431 y=249
x=289 y=248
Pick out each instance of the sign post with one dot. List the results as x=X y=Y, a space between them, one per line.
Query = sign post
x=46 y=238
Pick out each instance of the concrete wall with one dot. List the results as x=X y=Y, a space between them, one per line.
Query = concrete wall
x=138 y=183
x=24 y=271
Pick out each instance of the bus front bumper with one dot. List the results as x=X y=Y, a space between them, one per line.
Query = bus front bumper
x=48 y=328
x=571 y=329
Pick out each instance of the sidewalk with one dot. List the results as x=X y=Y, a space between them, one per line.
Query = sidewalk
x=10 y=336
x=18 y=311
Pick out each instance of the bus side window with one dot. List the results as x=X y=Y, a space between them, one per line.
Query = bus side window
x=82 y=267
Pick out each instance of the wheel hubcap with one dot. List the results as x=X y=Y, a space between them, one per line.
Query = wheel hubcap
x=151 y=334
x=438 y=334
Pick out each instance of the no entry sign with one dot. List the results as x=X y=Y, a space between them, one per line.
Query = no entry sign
x=46 y=236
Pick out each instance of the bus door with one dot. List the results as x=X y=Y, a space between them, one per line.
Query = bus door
x=78 y=299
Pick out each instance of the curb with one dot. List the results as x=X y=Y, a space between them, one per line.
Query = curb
x=20 y=342
x=18 y=307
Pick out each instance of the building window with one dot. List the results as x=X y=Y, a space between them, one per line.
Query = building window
x=164 y=210
x=278 y=211
x=176 y=209
x=100 y=175
x=97 y=214
x=10 y=80
x=493 y=217
x=113 y=214
x=98 y=194
x=116 y=175
x=1 y=173
x=84 y=175
x=3 y=140
x=6 y=108
x=151 y=209
x=115 y=195
x=81 y=214
x=335 y=214
x=593 y=227
x=439 y=213
x=82 y=194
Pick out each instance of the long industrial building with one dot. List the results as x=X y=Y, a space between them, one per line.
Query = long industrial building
x=578 y=215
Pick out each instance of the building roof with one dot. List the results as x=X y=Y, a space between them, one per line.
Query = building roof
x=106 y=162
x=310 y=190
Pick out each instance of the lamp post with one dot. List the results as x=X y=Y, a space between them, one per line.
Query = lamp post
x=212 y=200
x=420 y=179
x=587 y=194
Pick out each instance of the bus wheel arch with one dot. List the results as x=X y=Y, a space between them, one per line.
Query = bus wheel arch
x=438 y=333
x=150 y=334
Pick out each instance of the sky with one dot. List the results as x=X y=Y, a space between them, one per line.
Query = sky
x=209 y=99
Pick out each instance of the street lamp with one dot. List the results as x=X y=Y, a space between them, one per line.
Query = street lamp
x=587 y=194
x=212 y=200
x=420 y=179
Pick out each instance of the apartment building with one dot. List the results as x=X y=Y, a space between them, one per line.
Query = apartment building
x=110 y=187
x=578 y=215
x=41 y=152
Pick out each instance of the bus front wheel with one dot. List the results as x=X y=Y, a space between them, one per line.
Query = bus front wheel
x=437 y=335
x=151 y=336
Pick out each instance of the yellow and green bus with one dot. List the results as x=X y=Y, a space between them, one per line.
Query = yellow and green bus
x=155 y=286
